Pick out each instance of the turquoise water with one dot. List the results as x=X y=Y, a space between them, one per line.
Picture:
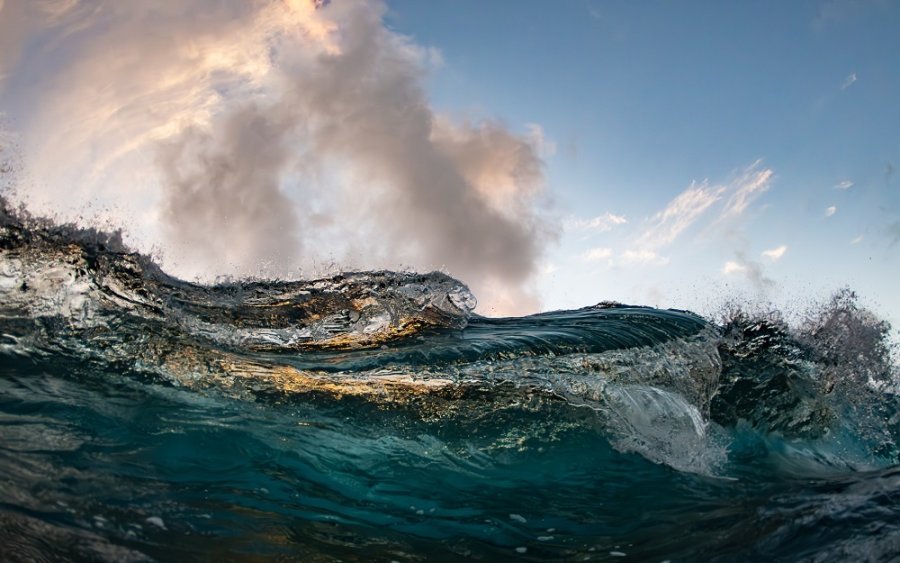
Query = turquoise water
x=372 y=417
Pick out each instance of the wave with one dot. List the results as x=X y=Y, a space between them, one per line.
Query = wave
x=392 y=336
x=747 y=398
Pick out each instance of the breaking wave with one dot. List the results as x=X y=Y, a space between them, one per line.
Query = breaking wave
x=373 y=416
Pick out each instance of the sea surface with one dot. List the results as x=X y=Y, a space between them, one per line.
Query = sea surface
x=372 y=416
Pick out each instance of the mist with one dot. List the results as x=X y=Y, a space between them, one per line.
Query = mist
x=268 y=138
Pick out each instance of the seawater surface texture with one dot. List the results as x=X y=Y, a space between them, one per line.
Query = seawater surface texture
x=371 y=416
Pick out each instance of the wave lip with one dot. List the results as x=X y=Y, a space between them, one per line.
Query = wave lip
x=349 y=310
x=88 y=279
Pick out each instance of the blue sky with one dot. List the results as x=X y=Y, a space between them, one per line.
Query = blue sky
x=641 y=99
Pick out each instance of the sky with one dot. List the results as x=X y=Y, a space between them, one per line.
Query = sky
x=701 y=150
x=549 y=154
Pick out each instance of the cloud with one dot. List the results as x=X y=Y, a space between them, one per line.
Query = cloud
x=596 y=254
x=829 y=211
x=271 y=136
x=600 y=223
x=843 y=185
x=851 y=78
x=690 y=206
x=680 y=214
x=857 y=240
x=102 y=82
x=223 y=200
x=732 y=267
x=751 y=184
x=775 y=254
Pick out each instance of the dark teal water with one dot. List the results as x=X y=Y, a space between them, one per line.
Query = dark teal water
x=100 y=465
x=372 y=417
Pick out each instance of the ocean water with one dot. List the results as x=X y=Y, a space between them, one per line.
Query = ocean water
x=371 y=416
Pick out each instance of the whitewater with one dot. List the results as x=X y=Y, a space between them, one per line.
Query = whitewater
x=373 y=416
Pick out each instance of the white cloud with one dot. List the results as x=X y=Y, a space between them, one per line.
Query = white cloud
x=775 y=254
x=844 y=185
x=688 y=207
x=749 y=186
x=680 y=214
x=857 y=240
x=597 y=254
x=830 y=211
x=644 y=256
x=851 y=78
x=732 y=267
x=600 y=223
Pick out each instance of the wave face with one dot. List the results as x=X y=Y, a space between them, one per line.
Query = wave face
x=371 y=416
